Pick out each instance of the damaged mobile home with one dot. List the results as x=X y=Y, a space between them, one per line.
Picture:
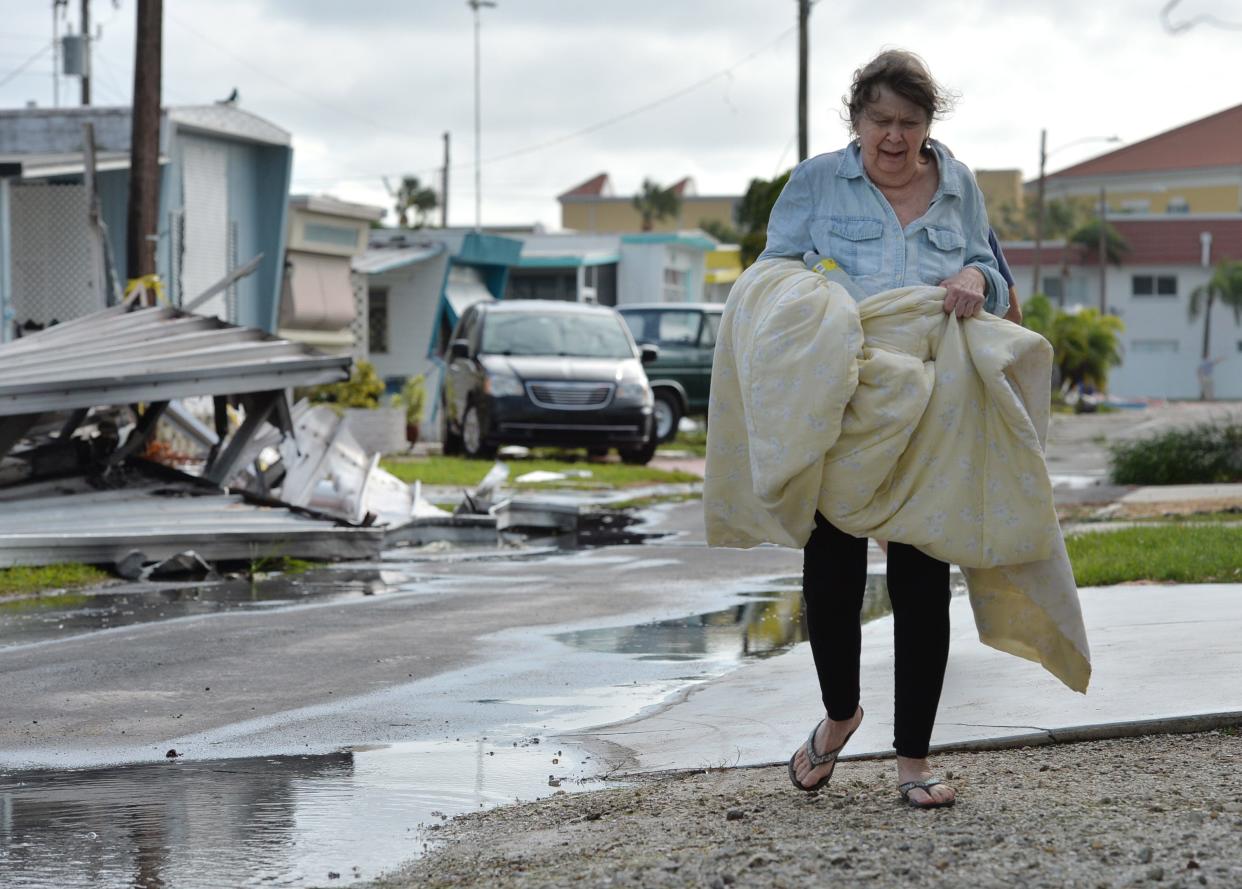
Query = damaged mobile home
x=83 y=476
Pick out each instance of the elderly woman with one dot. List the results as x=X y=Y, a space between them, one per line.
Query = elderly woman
x=893 y=209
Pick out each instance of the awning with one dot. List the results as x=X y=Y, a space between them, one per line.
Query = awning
x=43 y=166
x=317 y=293
x=375 y=260
x=119 y=356
x=464 y=288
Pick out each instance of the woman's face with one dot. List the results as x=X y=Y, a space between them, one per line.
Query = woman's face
x=891 y=130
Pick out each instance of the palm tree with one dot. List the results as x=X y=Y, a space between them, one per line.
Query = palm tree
x=1085 y=344
x=1225 y=285
x=655 y=203
x=1087 y=236
x=411 y=195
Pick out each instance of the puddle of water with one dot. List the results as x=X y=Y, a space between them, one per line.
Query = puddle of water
x=41 y=618
x=270 y=821
x=766 y=624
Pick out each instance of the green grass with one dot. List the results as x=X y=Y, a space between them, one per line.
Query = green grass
x=1207 y=453
x=28 y=579
x=462 y=473
x=689 y=442
x=1171 y=553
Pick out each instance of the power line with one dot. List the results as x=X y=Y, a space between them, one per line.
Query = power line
x=24 y=65
x=591 y=128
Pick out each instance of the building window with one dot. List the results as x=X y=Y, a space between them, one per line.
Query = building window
x=377 y=322
x=1153 y=285
x=1177 y=205
x=675 y=286
x=1052 y=288
x=1135 y=206
x=336 y=235
x=1149 y=347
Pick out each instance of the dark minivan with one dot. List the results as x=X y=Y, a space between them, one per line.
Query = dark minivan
x=546 y=372
x=681 y=377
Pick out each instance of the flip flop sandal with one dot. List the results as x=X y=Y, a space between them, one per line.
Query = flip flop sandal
x=904 y=790
x=820 y=759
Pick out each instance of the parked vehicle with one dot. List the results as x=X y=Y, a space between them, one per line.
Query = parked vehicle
x=544 y=372
x=681 y=377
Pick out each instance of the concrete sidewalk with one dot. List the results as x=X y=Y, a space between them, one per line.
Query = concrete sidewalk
x=1158 y=651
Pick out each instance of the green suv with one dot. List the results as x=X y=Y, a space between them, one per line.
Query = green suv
x=681 y=376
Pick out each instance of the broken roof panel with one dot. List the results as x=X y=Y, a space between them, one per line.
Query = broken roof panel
x=125 y=356
x=157 y=522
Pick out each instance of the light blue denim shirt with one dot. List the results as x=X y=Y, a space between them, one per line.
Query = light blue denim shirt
x=831 y=207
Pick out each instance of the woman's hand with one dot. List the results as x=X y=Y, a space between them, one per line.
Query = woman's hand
x=964 y=296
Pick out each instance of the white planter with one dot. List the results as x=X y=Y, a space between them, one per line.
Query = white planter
x=379 y=430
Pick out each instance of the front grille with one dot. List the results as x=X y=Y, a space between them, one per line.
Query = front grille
x=571 y=396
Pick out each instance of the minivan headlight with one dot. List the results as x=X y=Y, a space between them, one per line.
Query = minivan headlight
x=502 y=385
x=634 y=392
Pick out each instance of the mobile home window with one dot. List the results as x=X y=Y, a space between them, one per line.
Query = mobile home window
x=377 y=321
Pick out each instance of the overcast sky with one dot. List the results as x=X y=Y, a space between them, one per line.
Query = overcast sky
x=662 y=88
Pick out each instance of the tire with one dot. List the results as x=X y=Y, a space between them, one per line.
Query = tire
x=450 y=441
x=472 y=442
x=666 y=414
x=641 y=455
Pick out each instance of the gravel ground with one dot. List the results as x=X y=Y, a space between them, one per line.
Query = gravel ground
x=1157 y=809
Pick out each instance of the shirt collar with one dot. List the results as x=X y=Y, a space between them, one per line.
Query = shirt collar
x=851 y=167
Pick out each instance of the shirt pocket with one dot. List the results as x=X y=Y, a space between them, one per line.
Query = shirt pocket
x=855 y=242
x=941 y=254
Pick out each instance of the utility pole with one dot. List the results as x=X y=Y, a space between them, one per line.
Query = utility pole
x=86 y=52
x=144 y=181
x=1036 y=284
x=444 y=184
x=478 y=125
x=56 y=50
x=804 y=13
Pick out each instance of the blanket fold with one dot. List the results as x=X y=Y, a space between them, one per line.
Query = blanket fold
x=897 y=422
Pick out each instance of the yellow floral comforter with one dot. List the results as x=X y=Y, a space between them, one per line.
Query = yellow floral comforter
x=901 y=423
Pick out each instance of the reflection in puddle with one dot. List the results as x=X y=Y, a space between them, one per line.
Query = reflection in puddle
x=40 y=618
x=766 y=624
x=271 y=821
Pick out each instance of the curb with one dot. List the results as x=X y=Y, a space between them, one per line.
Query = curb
x=1105 y=731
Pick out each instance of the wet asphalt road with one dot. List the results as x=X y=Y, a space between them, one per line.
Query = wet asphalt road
x=405 y=656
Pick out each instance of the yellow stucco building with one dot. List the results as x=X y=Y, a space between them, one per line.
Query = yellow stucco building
x=1194 y=168
x=593 y=207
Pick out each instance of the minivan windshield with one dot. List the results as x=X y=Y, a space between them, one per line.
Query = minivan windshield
x=555 y=333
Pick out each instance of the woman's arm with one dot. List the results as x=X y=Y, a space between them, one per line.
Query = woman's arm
x=979 y=253
x=789 y=226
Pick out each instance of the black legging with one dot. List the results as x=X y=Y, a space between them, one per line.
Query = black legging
x=834 y=578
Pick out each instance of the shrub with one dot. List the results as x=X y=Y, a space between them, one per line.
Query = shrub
x=1203 y=454
x=363 y=389
x=411 y=398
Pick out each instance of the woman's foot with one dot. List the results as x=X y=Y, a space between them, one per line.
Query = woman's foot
x=917 y=771
x=830 y=735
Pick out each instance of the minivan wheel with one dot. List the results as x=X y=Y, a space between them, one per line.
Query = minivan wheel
x=641 y=455
x=666 y=412
x=472 y=436
x=450 y=441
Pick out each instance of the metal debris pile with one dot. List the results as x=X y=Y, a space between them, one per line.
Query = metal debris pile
x=148 y=438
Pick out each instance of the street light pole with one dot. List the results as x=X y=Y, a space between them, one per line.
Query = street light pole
x=478 y=124
x=1101 y=248
x=1036 y=284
